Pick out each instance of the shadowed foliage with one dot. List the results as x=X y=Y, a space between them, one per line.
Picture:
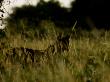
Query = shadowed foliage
x=2 y=34
x=89 y=14
x=96 y=10
x=29 y=18
x=43 y=11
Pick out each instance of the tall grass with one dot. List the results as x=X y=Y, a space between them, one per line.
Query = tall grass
x=88 y=59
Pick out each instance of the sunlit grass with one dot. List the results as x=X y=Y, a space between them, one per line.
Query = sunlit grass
x=88 y=60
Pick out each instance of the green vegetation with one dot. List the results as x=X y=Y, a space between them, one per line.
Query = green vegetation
x=88 y=58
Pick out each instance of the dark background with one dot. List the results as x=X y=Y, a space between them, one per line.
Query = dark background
x=88 y=13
